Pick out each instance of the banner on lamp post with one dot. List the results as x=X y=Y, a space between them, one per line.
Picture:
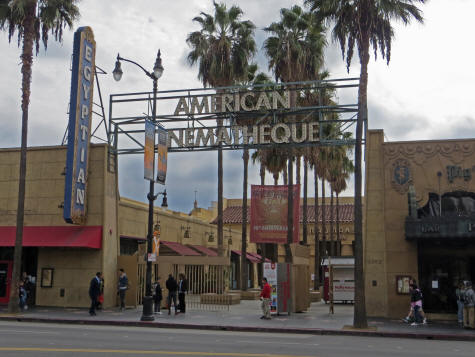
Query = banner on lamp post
x=162 y=150
x=269 y=207
x=149 y=150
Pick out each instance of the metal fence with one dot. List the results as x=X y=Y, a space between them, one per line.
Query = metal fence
x=207 y=286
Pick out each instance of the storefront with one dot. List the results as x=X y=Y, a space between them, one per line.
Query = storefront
x=420 y=222
x=62 y=258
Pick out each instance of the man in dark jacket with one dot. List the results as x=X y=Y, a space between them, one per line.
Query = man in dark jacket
x=94 y=292
x=172 y=287
x=182 y=289
x=122 y=288
x=157 y=296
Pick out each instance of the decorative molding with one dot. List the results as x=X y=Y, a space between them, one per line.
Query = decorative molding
x=420 y=152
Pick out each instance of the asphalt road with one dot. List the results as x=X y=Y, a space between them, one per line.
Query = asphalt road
x=34 y=339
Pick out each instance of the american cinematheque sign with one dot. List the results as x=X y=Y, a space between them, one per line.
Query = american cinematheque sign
x=236 y=117
x=235 y=134
x=79 y=127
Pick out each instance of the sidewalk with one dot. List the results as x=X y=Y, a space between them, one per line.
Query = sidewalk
x=245 y=317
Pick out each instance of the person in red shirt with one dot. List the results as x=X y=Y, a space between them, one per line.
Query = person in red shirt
x=265 y=298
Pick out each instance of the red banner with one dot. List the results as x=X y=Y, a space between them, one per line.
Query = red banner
x=269 y=214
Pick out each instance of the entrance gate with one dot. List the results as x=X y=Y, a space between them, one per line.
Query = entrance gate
x=230 y=118
x=207 y=286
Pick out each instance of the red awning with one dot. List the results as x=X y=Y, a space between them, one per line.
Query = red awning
x=54 y=236
x=205 y=250
x=258 y=256
x=180 y=248
x=249 y=257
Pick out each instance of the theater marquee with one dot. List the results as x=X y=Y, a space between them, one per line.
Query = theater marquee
x=79 y=127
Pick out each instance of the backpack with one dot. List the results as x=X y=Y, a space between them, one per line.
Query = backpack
x=417 y=295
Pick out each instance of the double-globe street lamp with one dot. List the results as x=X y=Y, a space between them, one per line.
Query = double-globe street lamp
x=147 y=311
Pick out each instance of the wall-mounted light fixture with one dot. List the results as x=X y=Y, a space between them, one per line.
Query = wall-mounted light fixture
x=211 y=237
x=187 y=231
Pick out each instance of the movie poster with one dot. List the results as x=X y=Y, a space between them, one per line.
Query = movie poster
x=270 y=273
x=269 y=214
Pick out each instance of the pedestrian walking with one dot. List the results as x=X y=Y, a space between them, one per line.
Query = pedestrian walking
x=410 y=316
x=94 y=292
x=100 y=299
x=460 y=295
x=469 y=306
x=122 y=287
x=416 y=304
x=265 y=299
x=172 y=288
x=182 y=290
x=22 y=295
x=157 y=296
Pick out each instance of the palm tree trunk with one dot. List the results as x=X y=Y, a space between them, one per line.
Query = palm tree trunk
x=276 y=179
x=324 y=218
x=338 y=238
x=359 y=317
x=284 y=174
x=262 y=174
x=26 y=69
x=305 y=184
x=297 y=170
x=290 y=214
x=332 y=234
x=244 y=272
x=316 y=282
x=220 y=197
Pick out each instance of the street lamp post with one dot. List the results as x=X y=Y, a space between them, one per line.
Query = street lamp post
x=147 y=311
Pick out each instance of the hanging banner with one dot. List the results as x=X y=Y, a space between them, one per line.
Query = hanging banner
x=79 y=126
x=149 y=150
x=162 y=150
x=269 y=214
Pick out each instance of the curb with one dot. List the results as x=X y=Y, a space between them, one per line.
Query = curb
x=309 y=331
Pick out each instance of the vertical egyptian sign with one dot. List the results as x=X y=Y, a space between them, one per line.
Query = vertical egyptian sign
x=79 y=127
x=149 y=150
x=162 y=150
x=269 y=214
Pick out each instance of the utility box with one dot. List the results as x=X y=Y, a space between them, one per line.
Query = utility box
x=341 y=270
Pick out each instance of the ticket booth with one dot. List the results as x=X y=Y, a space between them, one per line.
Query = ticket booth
x=342 y=273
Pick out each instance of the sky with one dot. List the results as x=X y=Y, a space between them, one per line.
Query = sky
x=424 y=93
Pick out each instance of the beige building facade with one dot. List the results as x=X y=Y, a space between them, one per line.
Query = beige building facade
x=63 y=258
x=419 y=222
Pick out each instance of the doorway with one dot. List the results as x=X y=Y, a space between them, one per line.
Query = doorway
x=441 y=266
x=5 y=280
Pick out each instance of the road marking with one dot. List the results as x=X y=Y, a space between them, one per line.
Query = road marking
x=143 y=352
x=26 y=331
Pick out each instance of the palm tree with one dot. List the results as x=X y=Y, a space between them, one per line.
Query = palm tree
x=222 y=48
x=295 y=52
x=251 y=80
x=32 y=20
x=363 y=23
x=339 y=171
x=339 y=185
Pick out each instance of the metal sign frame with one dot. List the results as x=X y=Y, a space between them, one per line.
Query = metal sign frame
x=125 y=123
